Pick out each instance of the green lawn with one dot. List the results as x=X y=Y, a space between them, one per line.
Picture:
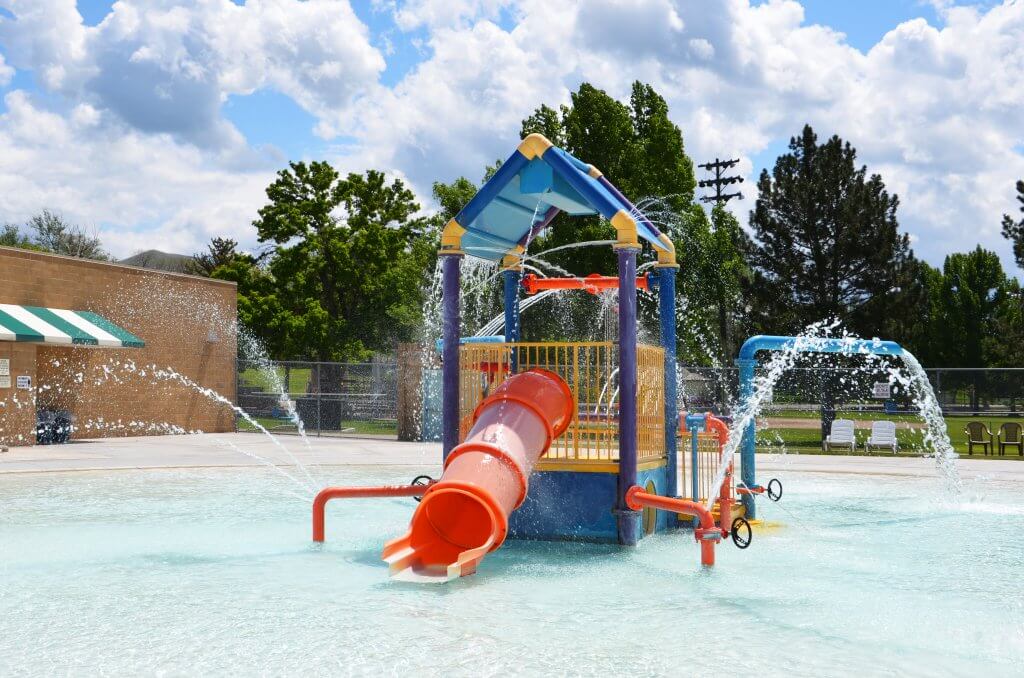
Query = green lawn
x=298 y=379
x=910 y=441
x=381 y=427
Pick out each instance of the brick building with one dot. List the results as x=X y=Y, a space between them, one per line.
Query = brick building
x=187 y=325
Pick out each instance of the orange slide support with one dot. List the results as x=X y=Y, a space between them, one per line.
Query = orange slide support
x=464 y=515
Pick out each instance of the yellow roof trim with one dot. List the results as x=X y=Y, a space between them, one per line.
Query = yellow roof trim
x=625 y=229
x=451 y=237
x=534 y=146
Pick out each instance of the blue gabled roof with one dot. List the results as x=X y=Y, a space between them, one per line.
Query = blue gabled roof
x=538 y=181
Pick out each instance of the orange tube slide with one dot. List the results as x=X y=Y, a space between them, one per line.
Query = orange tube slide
x=464 y=515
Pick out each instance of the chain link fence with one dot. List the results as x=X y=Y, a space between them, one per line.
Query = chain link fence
x=363 y=398
x=328 y=398
x=968 y=392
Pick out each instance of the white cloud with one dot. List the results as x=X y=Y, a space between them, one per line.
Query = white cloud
x=167 y=67
x=140 y=191
x=6 y=72
x=935 y=109
x=414 y=14
x=134 y=142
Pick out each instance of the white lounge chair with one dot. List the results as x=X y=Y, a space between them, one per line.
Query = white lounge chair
x=883 y=436
x=842 y=435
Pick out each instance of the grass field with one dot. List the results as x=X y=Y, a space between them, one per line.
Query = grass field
x=298 y=379
x=283 y=426
x=910 y=441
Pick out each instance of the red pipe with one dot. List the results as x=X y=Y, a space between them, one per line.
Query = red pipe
x=328 y=493
x=593 y=283
x=707 y=534
x=725 y=499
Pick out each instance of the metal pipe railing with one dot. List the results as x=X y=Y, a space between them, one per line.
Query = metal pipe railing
x=329 y=493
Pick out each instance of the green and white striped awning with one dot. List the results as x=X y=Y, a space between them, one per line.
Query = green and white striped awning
x=60 y=326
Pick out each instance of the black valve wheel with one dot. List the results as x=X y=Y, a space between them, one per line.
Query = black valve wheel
x=741 y=533
x=421 y=480
x=774 y=489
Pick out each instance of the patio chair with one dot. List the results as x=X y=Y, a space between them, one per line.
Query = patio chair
x=976 y=436
x=1009 y=435
x=842 y=435
x=883 y=436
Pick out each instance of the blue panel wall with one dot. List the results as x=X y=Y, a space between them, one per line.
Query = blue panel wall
x=566 y=505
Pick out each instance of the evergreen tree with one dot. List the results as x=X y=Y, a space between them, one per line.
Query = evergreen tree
x=1014 y=230
x=828 y=243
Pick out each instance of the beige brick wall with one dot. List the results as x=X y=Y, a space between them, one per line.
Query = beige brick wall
x=187 y=323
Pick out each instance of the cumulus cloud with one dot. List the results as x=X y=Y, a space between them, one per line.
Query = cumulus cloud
x=936 y=109
x=135 y=129
x=140 y=191
x=164 y=66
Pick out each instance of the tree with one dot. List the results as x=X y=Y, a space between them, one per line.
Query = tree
x=55 y=234
x=828 y=243
x=641 y=151
x=11 y=236
x=338 y=266
x=1014 y=230
x=971 y=295
x=220 y=252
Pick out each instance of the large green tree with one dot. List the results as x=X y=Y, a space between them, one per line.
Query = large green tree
x=828 y=243
x=345 y=270
x=1013 y=230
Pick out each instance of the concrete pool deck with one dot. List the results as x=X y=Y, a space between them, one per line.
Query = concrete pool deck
x=227 y=450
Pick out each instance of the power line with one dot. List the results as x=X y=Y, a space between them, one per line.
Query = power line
x=719 y=167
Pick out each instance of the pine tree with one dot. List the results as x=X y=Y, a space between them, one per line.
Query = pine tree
x=1014 y=230
x=828 y=243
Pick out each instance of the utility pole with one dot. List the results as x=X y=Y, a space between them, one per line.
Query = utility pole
x=719 y=167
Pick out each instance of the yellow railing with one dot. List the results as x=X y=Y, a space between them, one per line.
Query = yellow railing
x=709 y=458
x=589 y=368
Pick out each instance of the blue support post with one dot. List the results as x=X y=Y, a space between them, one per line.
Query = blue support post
x=748 y=473
x=512 y=332
x=450 y=272
x=627 y=518
x=667 y=315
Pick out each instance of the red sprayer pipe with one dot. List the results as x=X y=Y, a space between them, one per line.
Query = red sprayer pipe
x=707 y=534
x=328 y=493
x=592 y=283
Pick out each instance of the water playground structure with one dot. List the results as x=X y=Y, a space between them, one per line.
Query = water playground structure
x=536 y=444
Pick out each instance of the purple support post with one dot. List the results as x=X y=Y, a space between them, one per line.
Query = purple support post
x=627 y=519
x=450 y=264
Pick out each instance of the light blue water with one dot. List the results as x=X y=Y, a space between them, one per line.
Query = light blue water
x=212 y=573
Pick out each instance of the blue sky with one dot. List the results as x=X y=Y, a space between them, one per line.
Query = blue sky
x=159 y=123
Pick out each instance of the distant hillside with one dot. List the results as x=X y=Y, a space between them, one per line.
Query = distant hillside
x=160 y=261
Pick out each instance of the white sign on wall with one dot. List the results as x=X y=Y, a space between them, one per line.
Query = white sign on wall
x=24 y=381
x=5 y=381
x=5 y=367
x=882 y=390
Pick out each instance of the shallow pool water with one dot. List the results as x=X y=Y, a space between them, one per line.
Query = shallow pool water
x=212 y=572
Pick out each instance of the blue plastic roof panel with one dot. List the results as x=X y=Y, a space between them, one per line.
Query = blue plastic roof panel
x=522 y=191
